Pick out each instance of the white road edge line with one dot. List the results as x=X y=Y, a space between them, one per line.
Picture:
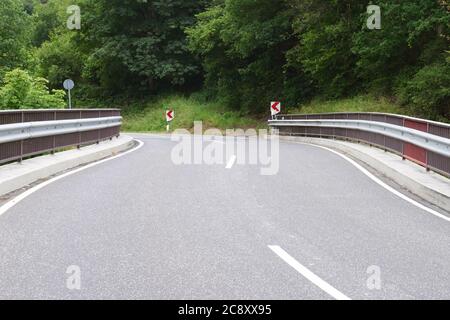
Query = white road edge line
x=305 y=272
x=27 y=193
x=231 y=162
x=384 y=185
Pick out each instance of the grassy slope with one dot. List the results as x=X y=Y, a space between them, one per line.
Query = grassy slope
x=355 y=104
x=150 y=116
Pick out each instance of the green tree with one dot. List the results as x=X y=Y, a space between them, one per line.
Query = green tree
x=60 y=59
x=428 y=91
x=48 y=17
x=15 y=35
x=22 y=91
x=412 y=36
x=243 y=45
x=324 y=30
x=138 y=44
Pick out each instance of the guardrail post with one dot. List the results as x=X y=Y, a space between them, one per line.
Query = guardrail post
x=79 y=133
x=403 y=143
x=426 y=152
x=21 y=151
x=99 y=131
x=54 y=137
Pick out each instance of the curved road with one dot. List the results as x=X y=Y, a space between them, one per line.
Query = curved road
x=140 y=227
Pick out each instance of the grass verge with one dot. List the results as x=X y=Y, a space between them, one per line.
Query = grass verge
x=355 y=104
x=150 y=116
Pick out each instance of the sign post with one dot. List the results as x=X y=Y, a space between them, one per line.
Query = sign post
x=275 y=108
x=170 y=115
x=69 y=85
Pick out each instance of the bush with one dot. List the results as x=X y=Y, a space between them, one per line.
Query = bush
x=40 y=97
x=58 y=60
x=428 y=91
x=22 y=91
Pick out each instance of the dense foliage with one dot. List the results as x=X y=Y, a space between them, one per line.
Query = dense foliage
x=243 y=45
x=15 y=36
x=241 y=53
x=142 y=41
x=22 y=91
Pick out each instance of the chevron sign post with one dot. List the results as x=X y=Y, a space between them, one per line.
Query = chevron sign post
x=275 y=108
x=170 y=115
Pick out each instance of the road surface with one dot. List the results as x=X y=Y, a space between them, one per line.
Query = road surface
x=140 y=227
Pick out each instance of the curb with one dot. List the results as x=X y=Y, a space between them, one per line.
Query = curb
x=15 y=176
x=430 y=195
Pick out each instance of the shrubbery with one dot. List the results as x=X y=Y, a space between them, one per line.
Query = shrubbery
x=429 y=91
x=22 y=91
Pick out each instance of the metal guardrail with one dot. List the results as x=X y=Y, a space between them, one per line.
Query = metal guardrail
x=424 y=142
x=26 y=133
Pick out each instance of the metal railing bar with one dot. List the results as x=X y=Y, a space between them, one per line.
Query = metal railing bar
x=424 y=140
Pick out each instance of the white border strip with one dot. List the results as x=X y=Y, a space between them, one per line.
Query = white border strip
x=382 y=184
x=27 y=193
x=322 y=284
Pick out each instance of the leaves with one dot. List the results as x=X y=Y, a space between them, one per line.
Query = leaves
x=15 y=35
x=243 y=44
x=146 y=38
x=22 y=91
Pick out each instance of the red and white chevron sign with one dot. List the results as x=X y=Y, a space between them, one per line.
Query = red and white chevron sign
x=170 y=115
x=275 y=107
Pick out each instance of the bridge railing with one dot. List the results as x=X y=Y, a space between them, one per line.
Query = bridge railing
x=424 y=142
x=26 y=133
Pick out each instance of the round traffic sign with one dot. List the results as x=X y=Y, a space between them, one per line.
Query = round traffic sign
x=68 y=84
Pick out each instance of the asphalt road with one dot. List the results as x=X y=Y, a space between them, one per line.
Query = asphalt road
x=140 y=227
